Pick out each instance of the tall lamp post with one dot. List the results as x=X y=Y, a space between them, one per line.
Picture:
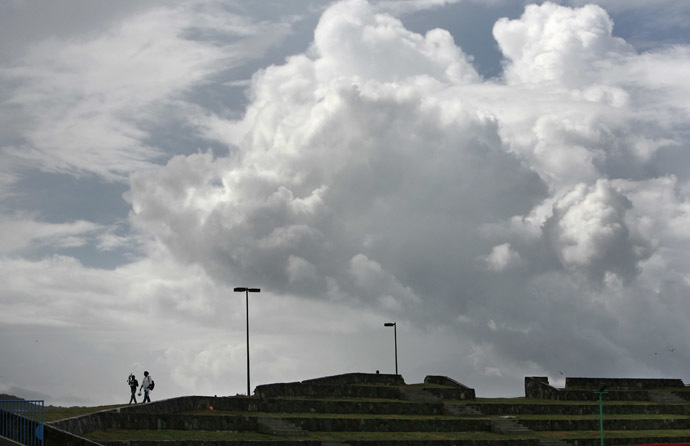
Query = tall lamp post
x=247 y=291
x=395 y=336
x=602 y=391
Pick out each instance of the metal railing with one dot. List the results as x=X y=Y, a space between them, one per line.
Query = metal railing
x=22 y=421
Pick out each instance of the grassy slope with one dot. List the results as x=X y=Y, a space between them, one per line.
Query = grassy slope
x=60 y=413
x=328 y=415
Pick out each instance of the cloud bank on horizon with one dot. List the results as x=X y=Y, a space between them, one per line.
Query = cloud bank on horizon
x=525 y=224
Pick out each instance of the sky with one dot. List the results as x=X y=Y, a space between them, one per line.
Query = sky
x=507 y=181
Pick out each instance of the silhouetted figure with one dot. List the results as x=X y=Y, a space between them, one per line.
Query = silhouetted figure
x=133 y=384
x=147 y=385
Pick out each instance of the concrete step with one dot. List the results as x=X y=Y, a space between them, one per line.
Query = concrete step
x=277 y=426
x=417 y=395
x=391 y=424
x=508 y=426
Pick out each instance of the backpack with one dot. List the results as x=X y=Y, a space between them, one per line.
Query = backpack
x=151 y=385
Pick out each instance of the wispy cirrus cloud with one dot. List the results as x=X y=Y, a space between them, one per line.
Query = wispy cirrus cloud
x=87 y=104
x=22 y=232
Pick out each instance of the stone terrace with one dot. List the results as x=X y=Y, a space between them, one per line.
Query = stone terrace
x=619 y=389
x=372 y=409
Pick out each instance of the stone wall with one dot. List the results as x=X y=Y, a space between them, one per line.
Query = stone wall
x=630 y=441
x=349 y=379
x=113 y=420
x=330 y=391
x=683 y=395
x=390 y=424
x=623 y=383
x=609 y=424
x=458 y=390
x=99 y=420
x=538 y=387
x=443 y=381
x=281 y=405
x=511 y=442
x=348 y=385
x=611 y=395
x=450 y=393
x=289 y=390
x=579 y=409
x=214 y=443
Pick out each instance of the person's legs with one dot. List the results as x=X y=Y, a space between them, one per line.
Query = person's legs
x=146 y=396
x=134 y=396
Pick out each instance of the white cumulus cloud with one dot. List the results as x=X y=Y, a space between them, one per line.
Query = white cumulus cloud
x=377 y=167
x=524 y=224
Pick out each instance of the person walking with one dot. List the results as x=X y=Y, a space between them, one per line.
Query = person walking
x=133 y=384
x=147 y=385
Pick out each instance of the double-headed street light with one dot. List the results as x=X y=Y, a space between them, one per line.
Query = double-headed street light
x=247 y=291
x=395 y=337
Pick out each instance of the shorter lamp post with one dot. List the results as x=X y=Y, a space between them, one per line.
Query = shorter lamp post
x=247 y=291
x=395 y=337
x=601 y=391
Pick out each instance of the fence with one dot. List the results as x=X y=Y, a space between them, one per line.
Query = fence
x=22 y=421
